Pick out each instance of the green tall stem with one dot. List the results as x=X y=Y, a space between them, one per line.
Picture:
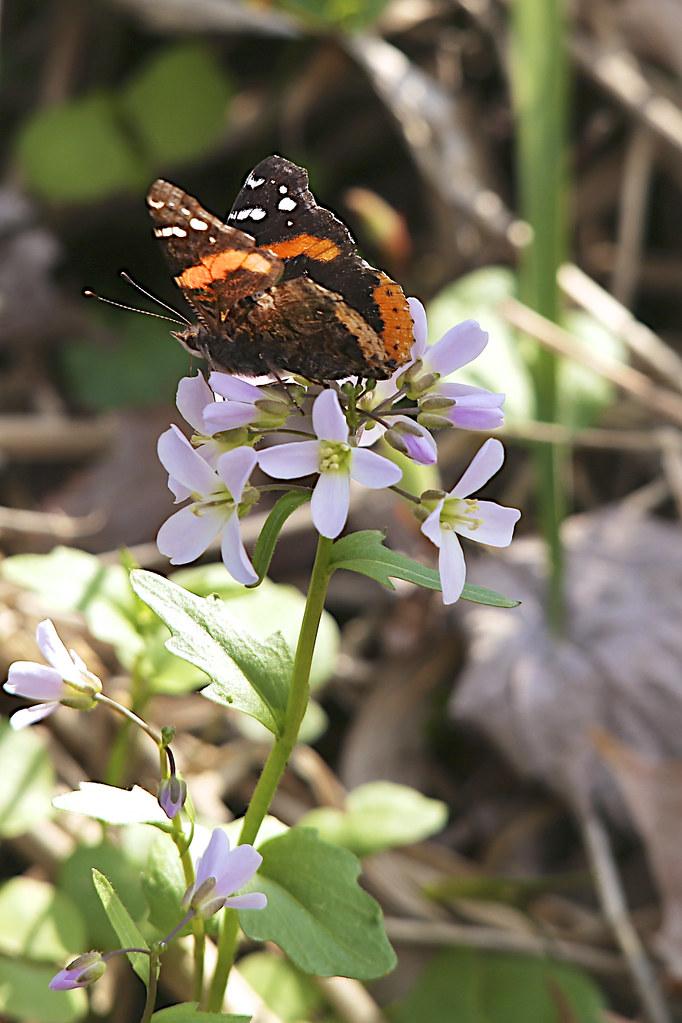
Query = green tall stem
x=540 y=79
x=150 y=1000
x=277 y=760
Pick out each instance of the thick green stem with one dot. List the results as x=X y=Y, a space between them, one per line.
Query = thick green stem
x=277 y=760
x=540 y=90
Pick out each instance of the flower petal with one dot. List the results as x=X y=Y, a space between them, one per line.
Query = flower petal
x=193 y=395
x=228 y=415
x=497 y=527
x=471 y=397
x=31 y=715
x=34 y=681
x=476 y=418
x=289 y=461
x=52 y=648
x=329 y=421
x=182 y=462
x=421 y=447
x=236 y=869
x=418 y=314
x=430 y=527
x=187 y=534
x=210 y=863
x=179 y=492
x=372 y=470
x=451 y=567
x=233 y=388
x=371 y=433
x=235 y=467
x=330 y=503
x=457 y=347
x=234 y=556
x=485 y=463
x=253 y=900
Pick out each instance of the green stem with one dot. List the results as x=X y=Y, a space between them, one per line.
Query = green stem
x=277 y=760
x=151 y=987
x=198 y=929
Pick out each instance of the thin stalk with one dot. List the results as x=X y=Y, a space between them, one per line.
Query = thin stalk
x=151 y=987
x=198 y=929
x=540 y=80
x=274 y=766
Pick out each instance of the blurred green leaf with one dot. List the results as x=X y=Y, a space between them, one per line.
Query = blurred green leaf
x=343 y=14
x=469 y=986
x=141 y=369
x=78 y=151
x=163 y=883
x=317 y=912
x=286 y=990
x=24 y=994
x=27 y=780
x=125 y=927
x=257 y=609
x=189 y=1012
x=75 y=878
x=379 y=815
x=38 y=923
x=178 y=103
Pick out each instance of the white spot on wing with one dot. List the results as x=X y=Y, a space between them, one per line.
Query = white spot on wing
x=257 y=213
x=286 y=204
x=185 y=212
x=232 y=215
x=253 y=182
x=243 y=214
x=290 y=223
x=169 y=232
x=156 y=204
x=283 y=189
x=198 y=225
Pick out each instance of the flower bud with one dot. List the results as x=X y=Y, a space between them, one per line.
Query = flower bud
x=81 y=972
x=435 y=402
x=393 y=438
x=172 y=795
x=432 y=421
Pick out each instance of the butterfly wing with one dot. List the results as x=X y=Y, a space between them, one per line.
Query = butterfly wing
x=213 y=264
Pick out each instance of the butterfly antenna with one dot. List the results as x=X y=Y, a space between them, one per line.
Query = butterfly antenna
x=131 y=308
x=164 y=305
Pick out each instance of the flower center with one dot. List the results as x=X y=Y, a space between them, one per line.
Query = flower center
x=460 y=511
x=335 y=456
x=220 y=498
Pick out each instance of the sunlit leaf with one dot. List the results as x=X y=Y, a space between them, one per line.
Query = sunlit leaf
x=27 y=780
x=127 y=931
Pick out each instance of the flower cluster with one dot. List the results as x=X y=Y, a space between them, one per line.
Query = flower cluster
x=298 y=430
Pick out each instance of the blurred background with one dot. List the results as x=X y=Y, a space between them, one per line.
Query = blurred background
x=515 y=162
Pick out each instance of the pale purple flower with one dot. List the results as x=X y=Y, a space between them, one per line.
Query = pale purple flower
x=220 y=871
x=172 y=795
x=405 y=435
x=335 y=460
x=217 y=496
x=474 y=408
x=457 y=512
x=81 y=972
x=66 y=680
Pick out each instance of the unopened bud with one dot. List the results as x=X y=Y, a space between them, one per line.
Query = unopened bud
x=167 y=735
x=81 y=972
x=432 y=495
x=172 y=795
x=435 y=402
x=432 y=421
x=272 y=406
x=407 y=426
x=393 y=438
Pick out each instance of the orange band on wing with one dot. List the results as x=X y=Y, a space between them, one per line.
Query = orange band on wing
x=220 y=265
x=398 y=329
x=321 y=249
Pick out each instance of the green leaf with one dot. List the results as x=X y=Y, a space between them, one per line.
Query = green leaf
x=39 y=923
x=288 y=992
x=348 y=15
x=113 y=805
x=163 y=883
x=183 y=85
x=469 y=986
x=317 y=913
x=126 y=929
x=257 y=608
x=248 y=675
x=379 y=815
x=364 y=552
x=78 y=151
x=24 y=994
x=75 y=879
x=269 y=534
x=189 y=1012
x=27 y=780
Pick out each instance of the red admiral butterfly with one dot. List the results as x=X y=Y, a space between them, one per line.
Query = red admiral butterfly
x=281 y=285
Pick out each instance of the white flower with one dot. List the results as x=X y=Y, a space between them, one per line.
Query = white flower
x=221 y=871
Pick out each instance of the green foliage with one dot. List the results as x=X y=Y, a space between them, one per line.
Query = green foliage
x=107 y=142
x=123 y=924
x=75 y=879
x=364 y=552
x=348 y=15
x=40 y=930
x=24 y=994
x=189 y=1012
x=248 y=675
x=27 y=781
x=164 y=885
x=379 y=815
x=141 y=369
x=288 y=992
x=469 y=986
x=269 y=534
x=180 y=85
x=317 y=913
x=583 y=394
